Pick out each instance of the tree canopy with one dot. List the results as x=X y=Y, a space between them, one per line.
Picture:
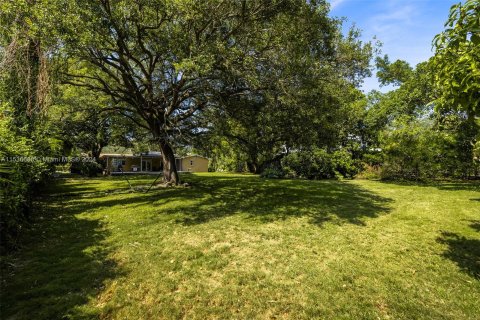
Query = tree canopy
x=457 y=59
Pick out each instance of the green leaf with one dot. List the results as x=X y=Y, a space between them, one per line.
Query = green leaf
x=475 y=39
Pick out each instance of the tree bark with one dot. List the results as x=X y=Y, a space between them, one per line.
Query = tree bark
x=252 y=167
x=96 y=151
x=170 y=174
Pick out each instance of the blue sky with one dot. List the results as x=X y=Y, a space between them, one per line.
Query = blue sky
x=405 y=27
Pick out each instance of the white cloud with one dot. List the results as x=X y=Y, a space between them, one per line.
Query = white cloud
x=394 y=23
x=398 y=26
x=402 y=14
x=393 y=20
x=335 y=3
x=405 y=27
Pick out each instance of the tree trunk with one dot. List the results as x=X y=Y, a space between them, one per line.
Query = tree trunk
x=96 y=151
x=170 y=174
x=252 y=167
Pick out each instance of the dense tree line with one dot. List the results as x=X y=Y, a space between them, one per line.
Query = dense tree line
x=24 y=129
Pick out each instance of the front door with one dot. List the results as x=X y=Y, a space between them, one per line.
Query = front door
x=147 y=165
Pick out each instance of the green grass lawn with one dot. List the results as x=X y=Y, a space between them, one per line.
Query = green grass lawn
x=237 y=246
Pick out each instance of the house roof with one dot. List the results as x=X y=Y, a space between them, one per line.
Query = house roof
x=121 y=152
x=193 y=155
x=116 y=150
x=115 y=155
x=120 y=155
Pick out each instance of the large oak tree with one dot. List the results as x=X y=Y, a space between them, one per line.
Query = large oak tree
x=163 y=61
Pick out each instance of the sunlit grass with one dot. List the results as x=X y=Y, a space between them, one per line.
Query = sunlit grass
x=237 y=246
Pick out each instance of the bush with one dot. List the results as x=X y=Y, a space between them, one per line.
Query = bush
x=343 y=163
x=374 y=159
x=86 y=168
x=18 y=181
x=17 y=184
x=273 y=173
x=370 y=172
x=417 y=150
x=319 y=164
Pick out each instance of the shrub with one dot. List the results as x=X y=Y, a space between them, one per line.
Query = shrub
x=343 y=163
x=273 y=173
x=319 y=164
x=370 y=172
x=18 y=182
x=373 y=159
x=87 y=168
x=416 y=150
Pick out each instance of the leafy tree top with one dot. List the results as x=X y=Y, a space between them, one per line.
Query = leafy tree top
x=457 y=59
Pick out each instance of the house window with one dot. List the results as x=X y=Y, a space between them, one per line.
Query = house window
x=116 y=162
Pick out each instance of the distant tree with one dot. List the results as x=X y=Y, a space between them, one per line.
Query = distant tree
x=415 y=141
x=394 y=73
x=411 y=99
x=82 y=124
x=302 y=102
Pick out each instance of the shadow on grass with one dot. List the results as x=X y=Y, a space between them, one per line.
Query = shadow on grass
x=61 y=265
x=475 y=225
x=463 y=251
x=271 y=200
x=65 y=263
x=263 y=200
x=72 y=186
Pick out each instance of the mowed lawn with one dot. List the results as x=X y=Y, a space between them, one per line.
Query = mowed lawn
x=241 y=247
